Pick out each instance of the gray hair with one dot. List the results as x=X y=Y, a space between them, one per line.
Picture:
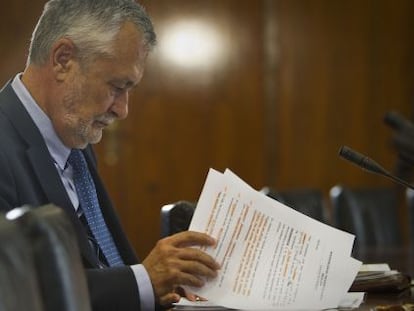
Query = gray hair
x=91 y=24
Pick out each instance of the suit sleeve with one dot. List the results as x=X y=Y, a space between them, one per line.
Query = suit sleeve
x=7 y=186
x=113 y=289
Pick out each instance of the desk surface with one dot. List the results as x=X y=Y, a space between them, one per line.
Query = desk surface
x=378 y=301
x=401 y=259
x=373 y=302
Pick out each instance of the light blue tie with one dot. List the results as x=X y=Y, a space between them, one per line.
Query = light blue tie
x=88 y=201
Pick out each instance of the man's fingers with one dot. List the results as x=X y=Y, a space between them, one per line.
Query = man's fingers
x=190 y=280
x=192 y=254
x=169 y=299
x=191 y=238
x=196 y=268
x=173 y=262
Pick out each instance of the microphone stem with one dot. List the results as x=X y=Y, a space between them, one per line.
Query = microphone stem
x=399 y=180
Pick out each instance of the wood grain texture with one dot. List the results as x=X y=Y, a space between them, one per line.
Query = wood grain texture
x=298 y=79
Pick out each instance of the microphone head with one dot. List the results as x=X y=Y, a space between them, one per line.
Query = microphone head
x=361 y=160
x=369 y=165
x=351 y=155
x=397 y=122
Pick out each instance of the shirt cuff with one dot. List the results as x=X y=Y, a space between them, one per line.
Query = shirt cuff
x=146 y=292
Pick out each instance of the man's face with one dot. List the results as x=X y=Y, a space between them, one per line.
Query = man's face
x=95 y=96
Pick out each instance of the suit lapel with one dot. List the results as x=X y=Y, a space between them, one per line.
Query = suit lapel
x=56 y=194
x=43 y=166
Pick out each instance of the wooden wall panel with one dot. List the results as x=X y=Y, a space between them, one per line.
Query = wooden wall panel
x=343 y=65
x=17 y=19
x=184 y=121
x=296 y=80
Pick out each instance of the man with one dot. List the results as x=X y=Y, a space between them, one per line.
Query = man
x=84 y=58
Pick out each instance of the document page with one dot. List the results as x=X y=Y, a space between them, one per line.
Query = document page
x=271 y=256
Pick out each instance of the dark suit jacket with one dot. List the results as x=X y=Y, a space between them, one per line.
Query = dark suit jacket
x=28 y=176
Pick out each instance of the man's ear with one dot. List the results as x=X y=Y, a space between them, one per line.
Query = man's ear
x=62 y=57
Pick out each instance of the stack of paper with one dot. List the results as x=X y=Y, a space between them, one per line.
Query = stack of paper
x=379 y=278
x=271 y=256
x=349 y=301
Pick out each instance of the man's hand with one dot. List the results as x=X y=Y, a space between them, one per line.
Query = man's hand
x=174 y=262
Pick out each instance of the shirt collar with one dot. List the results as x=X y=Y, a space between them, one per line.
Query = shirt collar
x=57 y=149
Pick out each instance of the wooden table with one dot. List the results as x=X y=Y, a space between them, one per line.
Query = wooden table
x=401 y=259
x=392 y=302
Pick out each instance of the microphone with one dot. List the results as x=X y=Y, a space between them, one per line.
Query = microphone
x=398 y=122
x=404 y=138
x=369 y=165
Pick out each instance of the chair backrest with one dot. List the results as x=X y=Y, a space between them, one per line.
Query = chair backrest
x=176 y=217
x=19 y=289
x=369 y=213
x=56 y=255
x=410 y=206
x=307 y=201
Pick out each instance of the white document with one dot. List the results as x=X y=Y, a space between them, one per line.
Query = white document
x=375 y=267
x=349 y=301
x=271 y=256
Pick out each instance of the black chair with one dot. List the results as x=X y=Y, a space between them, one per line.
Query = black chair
x=410 y=205
x=369 y=213
x=176 y=217
x=307 y=201
x=56 y=256
x=19 y=289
